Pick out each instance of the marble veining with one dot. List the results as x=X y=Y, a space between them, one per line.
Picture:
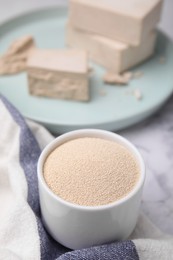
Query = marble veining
x=154 y=139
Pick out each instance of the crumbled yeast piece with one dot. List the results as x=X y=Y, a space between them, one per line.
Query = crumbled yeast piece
x=138 y=74
x=137 y=94
x=15 y=58
x=113 y=79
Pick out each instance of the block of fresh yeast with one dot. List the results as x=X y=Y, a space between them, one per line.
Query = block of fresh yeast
x=59 y=74
x=129 y=21
x=115 y=56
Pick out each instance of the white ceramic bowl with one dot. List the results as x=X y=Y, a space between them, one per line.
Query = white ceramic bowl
x=76 y=226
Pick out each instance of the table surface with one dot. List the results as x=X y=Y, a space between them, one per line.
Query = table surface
x=153 y=137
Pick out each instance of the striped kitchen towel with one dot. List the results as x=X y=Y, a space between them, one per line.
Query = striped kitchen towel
x=22 y=234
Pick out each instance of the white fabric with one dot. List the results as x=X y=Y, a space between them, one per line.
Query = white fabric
x=18 y=228
x=150 y=242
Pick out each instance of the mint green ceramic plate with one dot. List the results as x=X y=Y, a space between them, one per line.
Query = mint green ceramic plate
x=114 y=111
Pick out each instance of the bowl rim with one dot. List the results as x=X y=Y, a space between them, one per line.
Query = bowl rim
x=95 y=133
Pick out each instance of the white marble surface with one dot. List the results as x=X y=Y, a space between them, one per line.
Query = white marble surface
x=154 y=137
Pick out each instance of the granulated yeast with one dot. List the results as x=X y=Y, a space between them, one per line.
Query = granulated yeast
x=91 y=171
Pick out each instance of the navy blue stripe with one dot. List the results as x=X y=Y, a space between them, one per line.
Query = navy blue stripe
x=29 y=154
x=117 y=251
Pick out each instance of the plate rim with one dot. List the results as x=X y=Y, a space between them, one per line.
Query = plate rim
x=64 y=7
